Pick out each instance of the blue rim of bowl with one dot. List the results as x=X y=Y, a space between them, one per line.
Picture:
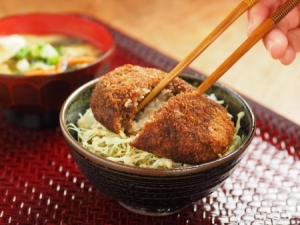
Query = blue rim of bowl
x=151 y=171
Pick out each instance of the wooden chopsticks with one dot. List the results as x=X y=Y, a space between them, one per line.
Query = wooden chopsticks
x=259 y=33
x=235 y=14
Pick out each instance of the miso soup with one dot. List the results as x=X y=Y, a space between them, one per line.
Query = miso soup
x=44 y=54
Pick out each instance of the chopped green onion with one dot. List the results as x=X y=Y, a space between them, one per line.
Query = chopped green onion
x=53 y=60
x=23 y=53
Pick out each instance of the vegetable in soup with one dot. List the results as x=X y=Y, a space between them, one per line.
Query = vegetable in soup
x=44 y=54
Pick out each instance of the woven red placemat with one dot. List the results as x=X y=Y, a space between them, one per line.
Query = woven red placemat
x=40 y=183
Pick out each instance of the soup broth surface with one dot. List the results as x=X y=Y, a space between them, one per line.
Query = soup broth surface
x=44 y=54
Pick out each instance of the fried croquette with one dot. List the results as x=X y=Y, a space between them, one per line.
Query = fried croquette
x=116 y=96
x=189 y=128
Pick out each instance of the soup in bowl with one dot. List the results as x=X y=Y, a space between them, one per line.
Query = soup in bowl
x=30 y=55
x=148 y=190
x=44 y=57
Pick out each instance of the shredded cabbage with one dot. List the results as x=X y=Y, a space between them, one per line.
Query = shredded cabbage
x=97 y=139
x=237 y=140
x=94 y=137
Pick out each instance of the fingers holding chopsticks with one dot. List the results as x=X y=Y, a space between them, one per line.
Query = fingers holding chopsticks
x=283 y=42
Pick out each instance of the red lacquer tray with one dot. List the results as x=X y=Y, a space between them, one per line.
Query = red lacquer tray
x=40 y=184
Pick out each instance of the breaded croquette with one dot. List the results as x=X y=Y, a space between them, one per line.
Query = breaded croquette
x=189 y=128
x=116 y=96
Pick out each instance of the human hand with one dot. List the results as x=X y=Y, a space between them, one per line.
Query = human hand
x=283 y=42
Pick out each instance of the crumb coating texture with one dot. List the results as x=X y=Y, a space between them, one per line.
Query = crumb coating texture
x=116 y=96
x=190 y=128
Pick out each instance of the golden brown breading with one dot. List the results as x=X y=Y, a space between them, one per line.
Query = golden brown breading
x=190 y=128
x=116 y=96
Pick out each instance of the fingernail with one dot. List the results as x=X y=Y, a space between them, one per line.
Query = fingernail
x=269 y=46
x=249 y=28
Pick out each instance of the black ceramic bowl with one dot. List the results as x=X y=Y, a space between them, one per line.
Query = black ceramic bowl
x=154 y=191
x=35 y=101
